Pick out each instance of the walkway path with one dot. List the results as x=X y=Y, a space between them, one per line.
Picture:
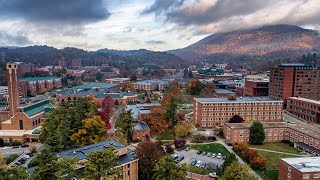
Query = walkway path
x=279 y=152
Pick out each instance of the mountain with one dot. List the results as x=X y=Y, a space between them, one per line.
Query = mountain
x=266 y=43
x=125 y=53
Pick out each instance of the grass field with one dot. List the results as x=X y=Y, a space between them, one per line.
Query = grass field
x=282 y=147
x=215 y=148
x=168 y=135
x=268 y=174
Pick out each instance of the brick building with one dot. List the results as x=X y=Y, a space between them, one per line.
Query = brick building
x=256 y=86
x=305 y=138
x=140 y=130
x=306 y=109
x=62 y=63
x=127 y=161
x=23 y=121
x=212 y=112
x=294 y=80
x=38 y=84
x=299 y=168
x=151 y=85
x=24 y=68
x=240 y=132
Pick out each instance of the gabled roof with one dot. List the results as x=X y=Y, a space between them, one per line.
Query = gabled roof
x=37 y=108
x=39 y=78
x=139 y=125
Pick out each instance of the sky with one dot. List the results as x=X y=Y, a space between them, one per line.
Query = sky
x=135 y=24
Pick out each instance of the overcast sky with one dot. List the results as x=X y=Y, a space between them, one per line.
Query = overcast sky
x=134 y=24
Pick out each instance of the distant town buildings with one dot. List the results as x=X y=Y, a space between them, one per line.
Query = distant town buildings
x=151 y=85
x=140 y=131
x=117 y=80
x=62 y=63
x=212 y=112
x=306 y=109
x=76 y=63
x=25 y=68
x=294 y=80
x=299 y=168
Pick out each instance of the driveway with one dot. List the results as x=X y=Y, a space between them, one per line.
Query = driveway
x=192 y=154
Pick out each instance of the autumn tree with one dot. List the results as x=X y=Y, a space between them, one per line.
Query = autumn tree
x=157 y=121
x=257 y=134
x=194 y=87
x=229 y=160
x=172 y=91
x=236 y=171
x=182 y=129
x=127 y=86
x=149 y=153
x=208 y=90
x=107 y=105
x=100 y=165
x=167 y=169
x=93 y=131
x=236 y=119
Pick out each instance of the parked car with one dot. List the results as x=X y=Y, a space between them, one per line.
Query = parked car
x=198 y=164
x=204 y=153
x=193 y=162
x=22 y=160
x=199 y=152
x=187 y=149
x=24 y=145
x=180 y=158
x=213 y=175
x=219 y=155
x=203 y=165
x=18 y=163
x=15 y=147
x=209 y=154
x=30 y=154
x=213 y=155
x=174 y=156
x=26 y=156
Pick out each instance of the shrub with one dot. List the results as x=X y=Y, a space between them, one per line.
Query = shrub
x=179 y=143
x=33 y=149
x=11 y=158
x=169 y=149
x=34 y=162
x=198 y=138
x=6 y=144
x=212 y=138
x=16 y=143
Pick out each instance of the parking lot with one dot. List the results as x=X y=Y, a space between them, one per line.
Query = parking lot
x=192 y=154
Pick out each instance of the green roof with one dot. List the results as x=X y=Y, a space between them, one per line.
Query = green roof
x=37 y=108
x=36 y=131
x=38 y=78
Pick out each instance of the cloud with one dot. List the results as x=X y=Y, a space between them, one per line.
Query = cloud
x=9 y=39
x=209 y=16
x=55 y=11
x=155 y=42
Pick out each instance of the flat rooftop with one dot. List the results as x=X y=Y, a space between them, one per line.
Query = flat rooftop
x=238 y=99
x=306 y=100
x=265 y=125
x=304 y=164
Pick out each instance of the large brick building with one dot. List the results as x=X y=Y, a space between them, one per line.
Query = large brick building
x=212 y=112
x=38 y=84
x=306 y=138
x=306 y=109
x=151 y=85
x=294 y=80
x=256 y=86
x=23 y=121
x=299 y=168
x=127 y=160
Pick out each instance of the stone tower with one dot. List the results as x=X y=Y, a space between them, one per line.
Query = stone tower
x=13 y=88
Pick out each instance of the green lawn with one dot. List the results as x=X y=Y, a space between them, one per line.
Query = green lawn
x=268 y=174
x=215 y=148
x=198 y=170
x=282 y=147
x=273 y=158
x=168 y=135
x=140 y=96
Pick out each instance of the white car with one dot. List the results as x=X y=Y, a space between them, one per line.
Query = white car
x=219 y=155
x=213 y=175
x=26 y=156
x=213 y=155
x=198 y=164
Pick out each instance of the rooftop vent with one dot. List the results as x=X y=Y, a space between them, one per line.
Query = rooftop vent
x=74 y=152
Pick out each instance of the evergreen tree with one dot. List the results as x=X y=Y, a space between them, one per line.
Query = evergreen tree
x=257 y=134
x=171 y=111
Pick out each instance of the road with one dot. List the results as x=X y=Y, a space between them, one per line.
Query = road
x=25 y=151
x=9 y=150
x=112 y=122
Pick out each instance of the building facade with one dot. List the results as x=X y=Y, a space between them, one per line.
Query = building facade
x=212 y=112
x=140 y=131
x=306 y=109
x=299 y=168
x=38 y=84
x=294 y=80
x=256 y=87
x=151 y=85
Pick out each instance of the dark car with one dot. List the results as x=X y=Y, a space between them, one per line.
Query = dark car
x=204 y=153
x=24 y=145
x=180 y=158
x=22 y=160
x=193 y=162
x=18 y=163
x=15 y=147
x=199 y=152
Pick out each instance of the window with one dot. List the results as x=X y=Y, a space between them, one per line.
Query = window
x=289 y=168
x=306 y=176
x=21 y=124
x=316 y=176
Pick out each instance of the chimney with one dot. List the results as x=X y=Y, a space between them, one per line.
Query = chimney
x=13 y=87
